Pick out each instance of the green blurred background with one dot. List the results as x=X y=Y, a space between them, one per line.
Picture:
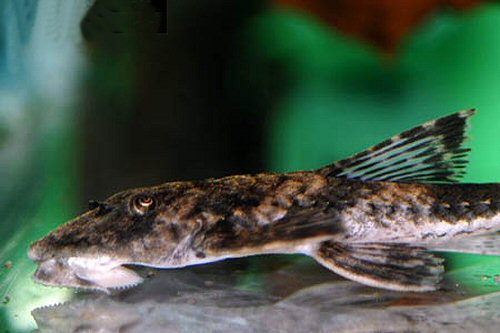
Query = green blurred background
x=96 y=97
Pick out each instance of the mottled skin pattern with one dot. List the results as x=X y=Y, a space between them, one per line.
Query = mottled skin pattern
x=408 y=212
x=217 y=215
x=242 y=215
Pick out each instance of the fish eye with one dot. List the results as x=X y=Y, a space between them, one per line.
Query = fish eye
x=143 y=203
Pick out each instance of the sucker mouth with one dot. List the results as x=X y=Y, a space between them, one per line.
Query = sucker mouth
x=91 y=274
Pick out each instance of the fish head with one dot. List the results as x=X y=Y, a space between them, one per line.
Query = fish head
x=95 y=249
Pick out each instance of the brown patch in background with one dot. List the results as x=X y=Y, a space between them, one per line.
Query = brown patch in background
x=381 y=23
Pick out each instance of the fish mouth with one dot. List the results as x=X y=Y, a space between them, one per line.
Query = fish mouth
x=102 y=274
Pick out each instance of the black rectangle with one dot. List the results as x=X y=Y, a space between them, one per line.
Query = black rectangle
x=160 y=7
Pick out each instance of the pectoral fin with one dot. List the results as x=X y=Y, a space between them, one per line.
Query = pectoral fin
x=389 y=266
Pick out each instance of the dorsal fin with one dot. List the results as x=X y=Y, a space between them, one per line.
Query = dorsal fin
x=429 y=153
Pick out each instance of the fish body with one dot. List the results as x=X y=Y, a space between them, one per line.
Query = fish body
x=367 y=218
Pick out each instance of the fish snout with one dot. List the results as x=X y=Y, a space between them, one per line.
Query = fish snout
x=46 y=271
x=56 y=272
x=36 y=252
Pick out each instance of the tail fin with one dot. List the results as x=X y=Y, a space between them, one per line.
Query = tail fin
x=431 y=153
x=389 y=266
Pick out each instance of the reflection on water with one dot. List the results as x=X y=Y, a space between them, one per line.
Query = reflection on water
x=289 y=297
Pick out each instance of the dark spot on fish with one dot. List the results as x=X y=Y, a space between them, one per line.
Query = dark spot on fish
x=200 y=255
x=427 y=236
x=174 y=229
x=466 y=232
